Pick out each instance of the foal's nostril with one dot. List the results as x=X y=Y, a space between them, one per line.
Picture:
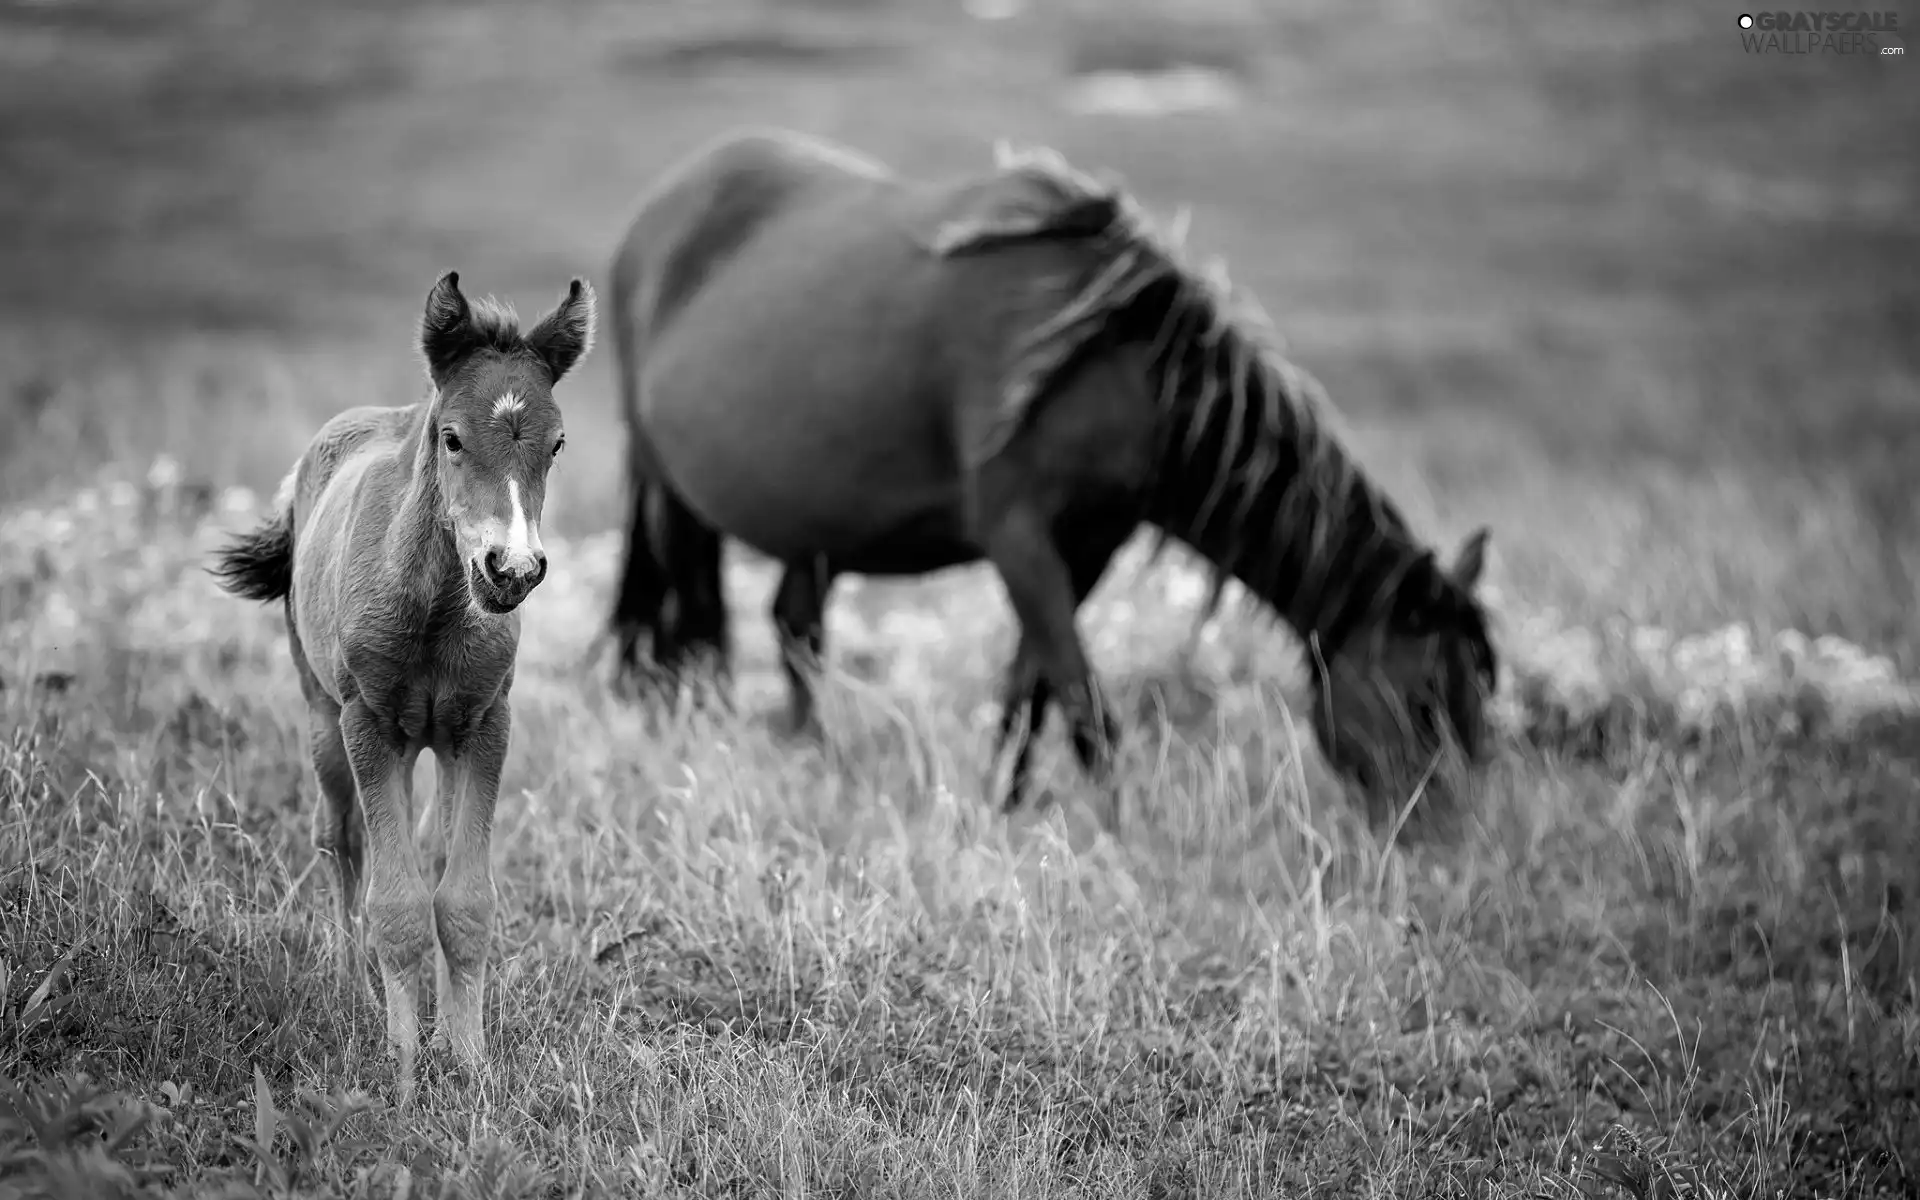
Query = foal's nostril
x=491 y=564
x=539 y=566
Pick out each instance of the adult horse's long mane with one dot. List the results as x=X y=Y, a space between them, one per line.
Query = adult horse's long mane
x=1251 y=472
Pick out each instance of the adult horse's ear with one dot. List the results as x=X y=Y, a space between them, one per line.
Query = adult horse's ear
x=1471 y=559
x=446 y=329
x=1420 y=598
x=563 y=336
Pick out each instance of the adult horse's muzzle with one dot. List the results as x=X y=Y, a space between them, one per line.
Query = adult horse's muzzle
x=500 y=584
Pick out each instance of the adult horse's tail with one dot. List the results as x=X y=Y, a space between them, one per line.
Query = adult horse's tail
x=638 y=603
x=671 y=582
x=258 y=565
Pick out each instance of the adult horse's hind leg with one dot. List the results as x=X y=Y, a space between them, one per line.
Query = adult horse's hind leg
x=1046 y=588
x=800 y=619
x=697 y=626
x=639 y=606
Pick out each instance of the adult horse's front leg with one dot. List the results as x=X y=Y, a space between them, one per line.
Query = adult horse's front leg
x=1023 y=710
x=1045 y=590
x=463 y=901
x=800 y=620
x=399 y=912
x=1029 y=688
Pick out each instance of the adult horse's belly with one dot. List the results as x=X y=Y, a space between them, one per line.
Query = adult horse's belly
x=803 y=411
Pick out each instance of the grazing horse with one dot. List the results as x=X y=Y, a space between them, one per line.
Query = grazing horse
x=855 y=372
x=402 y=544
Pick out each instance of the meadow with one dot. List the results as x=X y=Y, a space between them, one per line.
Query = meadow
x=1594 y=276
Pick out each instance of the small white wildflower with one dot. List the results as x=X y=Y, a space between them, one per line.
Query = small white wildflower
x=1184 y=588
x=1836 y=649
x=1735 y=643
x=1651 y=644
x=164 y=473
x=59 y=613
x=1792 y=645
x=86 y=500
x=1694 y=656
x=1695 y=706
x=122 y=494
x=237 y=501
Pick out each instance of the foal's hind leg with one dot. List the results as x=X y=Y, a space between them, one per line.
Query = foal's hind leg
x=338 y=834
x=338 y=830
x=799 y=617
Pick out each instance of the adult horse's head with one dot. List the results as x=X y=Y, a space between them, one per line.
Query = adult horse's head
x=493 y=429
x=1411 y=681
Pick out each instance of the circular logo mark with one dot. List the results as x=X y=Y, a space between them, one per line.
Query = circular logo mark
x=1746 y=21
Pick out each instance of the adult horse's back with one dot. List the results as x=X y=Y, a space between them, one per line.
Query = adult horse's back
x=854 y=372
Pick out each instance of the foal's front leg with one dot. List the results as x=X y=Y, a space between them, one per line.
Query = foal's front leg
x=399 y=912
x=463 y=901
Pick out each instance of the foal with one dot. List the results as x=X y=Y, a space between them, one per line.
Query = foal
x=402 y=544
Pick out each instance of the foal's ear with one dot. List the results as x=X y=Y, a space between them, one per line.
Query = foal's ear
x=1471 y=559
x=446 y=328
x=563 y=336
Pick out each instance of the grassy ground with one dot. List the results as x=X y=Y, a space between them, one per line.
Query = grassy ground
x=1598 y=279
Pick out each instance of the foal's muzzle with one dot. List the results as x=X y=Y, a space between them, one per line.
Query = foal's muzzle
x=500 y=585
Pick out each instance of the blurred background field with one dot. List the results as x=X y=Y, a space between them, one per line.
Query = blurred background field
x=1601 y=239
x=1597 y=251
x=1589 y=274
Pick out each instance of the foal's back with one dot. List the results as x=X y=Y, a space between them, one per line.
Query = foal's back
x=349 y=440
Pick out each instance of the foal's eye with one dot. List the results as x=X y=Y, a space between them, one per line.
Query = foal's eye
x=559 y=446
x=451 y=440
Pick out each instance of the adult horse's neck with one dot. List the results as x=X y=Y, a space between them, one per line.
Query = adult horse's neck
x=420 y=553
x=1253 y=480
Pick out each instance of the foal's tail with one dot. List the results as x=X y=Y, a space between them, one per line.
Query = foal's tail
x=258 y=565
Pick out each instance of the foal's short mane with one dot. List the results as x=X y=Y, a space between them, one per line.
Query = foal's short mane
x=1235 y=412
x=490 y=326
x=495 y=325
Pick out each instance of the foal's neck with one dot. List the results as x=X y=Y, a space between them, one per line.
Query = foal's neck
x=420 y=554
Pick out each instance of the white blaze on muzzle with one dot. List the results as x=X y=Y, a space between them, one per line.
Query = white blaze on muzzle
x=522 y=543
x=513 y=544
